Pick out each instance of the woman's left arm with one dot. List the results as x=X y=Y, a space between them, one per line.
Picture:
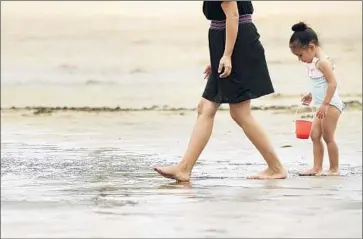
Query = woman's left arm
x=232 y=20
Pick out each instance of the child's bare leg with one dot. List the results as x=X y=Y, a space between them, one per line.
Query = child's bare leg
x=241 y=113
x=318 y=149
x=329 y=124
x=199 y=139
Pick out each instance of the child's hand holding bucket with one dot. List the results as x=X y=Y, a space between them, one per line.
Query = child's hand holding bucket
x=306 y=100
x=303 y=126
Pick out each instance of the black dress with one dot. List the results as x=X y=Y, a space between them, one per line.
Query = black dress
x=250 y=77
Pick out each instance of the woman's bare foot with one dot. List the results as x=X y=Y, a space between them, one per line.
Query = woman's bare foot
x=174 y=172
x=310 y=172
x=270 y=174
x=329 y=172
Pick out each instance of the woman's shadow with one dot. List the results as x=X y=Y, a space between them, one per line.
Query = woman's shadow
x=176 y=185
x=266 y=184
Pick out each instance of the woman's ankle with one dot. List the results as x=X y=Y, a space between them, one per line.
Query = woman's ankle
x=185 y=167
x=277 y=166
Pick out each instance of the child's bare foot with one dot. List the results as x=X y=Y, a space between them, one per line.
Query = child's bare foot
x=270 y=174
x=310 y=172
x=174 y=172
x=329 y=172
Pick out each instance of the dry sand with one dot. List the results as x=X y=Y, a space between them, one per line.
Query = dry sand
x=105 y=53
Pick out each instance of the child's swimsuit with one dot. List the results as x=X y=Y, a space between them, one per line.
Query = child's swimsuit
x=319 y=86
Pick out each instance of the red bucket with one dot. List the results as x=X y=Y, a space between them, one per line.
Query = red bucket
x=302 y=129
x=302 y=126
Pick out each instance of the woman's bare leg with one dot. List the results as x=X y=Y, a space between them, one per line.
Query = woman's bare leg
x=318 y=149
x=241 y=113
x=329 y=124
x=199 y=139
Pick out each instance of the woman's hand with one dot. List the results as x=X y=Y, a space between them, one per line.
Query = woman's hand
x=207 y=72
x=225 y=64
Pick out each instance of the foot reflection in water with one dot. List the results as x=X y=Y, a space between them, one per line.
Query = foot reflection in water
x=175 y=185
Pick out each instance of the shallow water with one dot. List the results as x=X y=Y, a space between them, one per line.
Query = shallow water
x=89 y=175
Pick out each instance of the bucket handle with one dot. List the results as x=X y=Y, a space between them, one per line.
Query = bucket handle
x=301 y=106
x=297 y=110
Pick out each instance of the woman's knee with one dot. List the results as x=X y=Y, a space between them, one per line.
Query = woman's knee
x=207 y=109
x=240 y=112
x=236 y=116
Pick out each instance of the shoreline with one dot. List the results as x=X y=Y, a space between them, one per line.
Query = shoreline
x=353 y=105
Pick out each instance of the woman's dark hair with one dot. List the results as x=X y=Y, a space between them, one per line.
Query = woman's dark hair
x=303 y=35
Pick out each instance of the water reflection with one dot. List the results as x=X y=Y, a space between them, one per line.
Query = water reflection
x=176 y=185
x=68 y=184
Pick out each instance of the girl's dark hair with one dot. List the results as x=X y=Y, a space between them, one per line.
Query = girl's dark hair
x=303 y=35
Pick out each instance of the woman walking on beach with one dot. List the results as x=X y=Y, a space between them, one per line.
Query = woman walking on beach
x=237 y=74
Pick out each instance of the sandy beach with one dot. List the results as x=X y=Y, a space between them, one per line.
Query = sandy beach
x=89 y=175
x=93 y=94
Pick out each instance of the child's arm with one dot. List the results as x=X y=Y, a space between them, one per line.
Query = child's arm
x=326 y=68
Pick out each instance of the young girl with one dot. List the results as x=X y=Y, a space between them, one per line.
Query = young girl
x=304 y=44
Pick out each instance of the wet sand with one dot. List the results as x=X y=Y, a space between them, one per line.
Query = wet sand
x=89 y=175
